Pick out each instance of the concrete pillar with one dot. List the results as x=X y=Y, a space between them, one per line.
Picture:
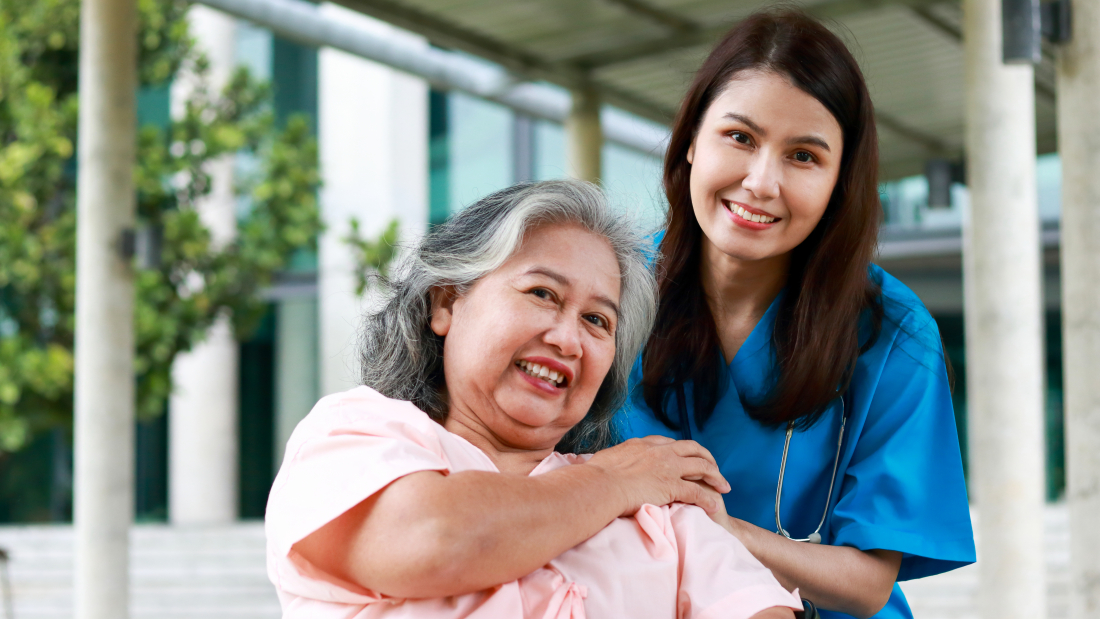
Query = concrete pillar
x=584 y=136
x=296 y=387
x=523 y=147
x=1079 y=146
x=202 y=431
x=1004 y=341
x=103 y=505
x=373 y=138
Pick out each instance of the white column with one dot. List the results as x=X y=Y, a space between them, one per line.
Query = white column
x=202 y=431
x=104 y=389
x=1079 y=146
x=374 y=163
x=584 y=136
x=1004 y=342
x=295 y=367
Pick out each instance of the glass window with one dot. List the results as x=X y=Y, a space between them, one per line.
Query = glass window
x=479 y=148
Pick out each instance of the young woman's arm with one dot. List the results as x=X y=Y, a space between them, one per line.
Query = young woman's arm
x=429 y=535
x=841 y=578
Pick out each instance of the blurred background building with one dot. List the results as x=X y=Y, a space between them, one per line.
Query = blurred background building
x=395 y=145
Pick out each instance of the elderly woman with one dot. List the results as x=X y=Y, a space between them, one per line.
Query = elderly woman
x=436 y=490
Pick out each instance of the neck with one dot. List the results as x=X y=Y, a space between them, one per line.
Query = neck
x=507 y=458
x=739 y=292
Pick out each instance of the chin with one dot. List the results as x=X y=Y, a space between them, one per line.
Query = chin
x=535 y=428
x=528 y=415
x=738 y=249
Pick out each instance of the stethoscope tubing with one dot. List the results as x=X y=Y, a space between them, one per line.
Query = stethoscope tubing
x=815 y=537
x=812 y=538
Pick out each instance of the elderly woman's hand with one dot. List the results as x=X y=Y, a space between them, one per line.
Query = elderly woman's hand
x=659 y=470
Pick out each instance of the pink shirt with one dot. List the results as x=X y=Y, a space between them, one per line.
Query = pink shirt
x=664 y=562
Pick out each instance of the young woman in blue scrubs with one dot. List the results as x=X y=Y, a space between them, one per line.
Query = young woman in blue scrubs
x=776 y=335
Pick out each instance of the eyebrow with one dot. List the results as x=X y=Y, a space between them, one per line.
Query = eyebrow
x=805 y=139
x=745 y=120
x=810 y=139
x=565 y=281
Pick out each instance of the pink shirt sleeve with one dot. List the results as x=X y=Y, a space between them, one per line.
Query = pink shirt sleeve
x=349 y=447
x=719 y=577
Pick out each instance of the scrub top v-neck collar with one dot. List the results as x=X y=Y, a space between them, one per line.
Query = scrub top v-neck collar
x=751 y=370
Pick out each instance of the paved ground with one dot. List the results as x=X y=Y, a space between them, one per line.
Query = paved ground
x=954 y=595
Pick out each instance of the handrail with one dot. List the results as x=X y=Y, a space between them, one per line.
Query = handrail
x=308 y=24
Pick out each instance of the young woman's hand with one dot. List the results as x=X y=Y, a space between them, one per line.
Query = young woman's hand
x=659 y=470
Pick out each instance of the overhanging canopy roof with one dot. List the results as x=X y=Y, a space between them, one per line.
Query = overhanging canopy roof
x=640 y=55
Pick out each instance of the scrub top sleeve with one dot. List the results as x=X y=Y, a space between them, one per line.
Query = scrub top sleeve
x=904 y=489
x=348 y=448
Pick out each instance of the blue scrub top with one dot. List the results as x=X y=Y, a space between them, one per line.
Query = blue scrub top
x=900 y=480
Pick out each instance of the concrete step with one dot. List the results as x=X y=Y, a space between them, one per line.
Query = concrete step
x=954 y=595
x=176 y=572
x=219 y=572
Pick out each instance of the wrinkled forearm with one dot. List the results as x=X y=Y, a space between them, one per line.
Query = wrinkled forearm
x=428 y=535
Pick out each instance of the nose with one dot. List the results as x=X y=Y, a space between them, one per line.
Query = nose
x=565 y=335
x=763 y=177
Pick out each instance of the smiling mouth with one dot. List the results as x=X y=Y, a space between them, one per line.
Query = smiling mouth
x=542 y=372
x=747 y=216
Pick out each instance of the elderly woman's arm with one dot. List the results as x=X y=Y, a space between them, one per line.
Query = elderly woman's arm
x=431 y=535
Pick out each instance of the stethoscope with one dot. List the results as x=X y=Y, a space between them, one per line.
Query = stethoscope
x=815 y=537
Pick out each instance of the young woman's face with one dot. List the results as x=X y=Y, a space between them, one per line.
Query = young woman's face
x=763 y=166
x=553 y=305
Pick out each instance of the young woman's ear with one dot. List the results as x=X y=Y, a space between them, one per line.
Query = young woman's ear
x=443 y=300
x=691 y=153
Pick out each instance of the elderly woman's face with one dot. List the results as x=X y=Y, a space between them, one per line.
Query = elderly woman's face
x=528 y=346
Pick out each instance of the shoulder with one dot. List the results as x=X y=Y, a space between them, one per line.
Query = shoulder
x=363 y=410
x=350 y=446
x=906 y=322
x=900 y=304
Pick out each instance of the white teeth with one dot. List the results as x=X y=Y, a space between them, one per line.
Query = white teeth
x=542 y=372
x=747 y=216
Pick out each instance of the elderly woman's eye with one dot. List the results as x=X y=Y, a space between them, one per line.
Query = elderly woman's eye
x=542 y=293
x=598 y=320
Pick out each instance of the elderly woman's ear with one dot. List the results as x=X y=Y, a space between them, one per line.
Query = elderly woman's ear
x=443 y=300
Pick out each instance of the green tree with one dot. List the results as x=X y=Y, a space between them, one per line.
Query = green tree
x=372 y=257
x=195 y=281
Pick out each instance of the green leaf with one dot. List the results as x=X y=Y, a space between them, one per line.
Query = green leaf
x=373 y=256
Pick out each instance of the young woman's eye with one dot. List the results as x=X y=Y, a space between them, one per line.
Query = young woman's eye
x=741 y=137
x=803 y=157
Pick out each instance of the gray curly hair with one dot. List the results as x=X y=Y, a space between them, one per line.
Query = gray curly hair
x=402 y=358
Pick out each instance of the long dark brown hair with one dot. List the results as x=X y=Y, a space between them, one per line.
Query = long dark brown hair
x=816 y=338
